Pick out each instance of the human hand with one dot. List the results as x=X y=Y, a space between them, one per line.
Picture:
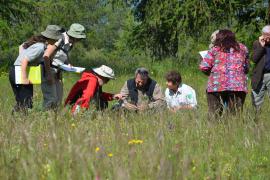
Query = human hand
x=25 y=81
x=173 y=110
x=50 y=79
x=118 y=96
x=58 y=43
x=142 y=107
x=262 y=41
x=130 y=106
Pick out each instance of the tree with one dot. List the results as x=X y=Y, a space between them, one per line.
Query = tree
x=160 y=23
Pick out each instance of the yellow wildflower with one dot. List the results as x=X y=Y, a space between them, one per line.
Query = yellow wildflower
x=47 y=168
x=73 y=125
x=110 y=154
x=227 y=170
x=135 y=141
x=97 y=149
x=193 y=168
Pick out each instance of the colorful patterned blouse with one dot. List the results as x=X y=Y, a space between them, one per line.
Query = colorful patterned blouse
x=227 y=69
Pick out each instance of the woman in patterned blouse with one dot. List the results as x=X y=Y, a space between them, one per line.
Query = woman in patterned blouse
x=227 y=65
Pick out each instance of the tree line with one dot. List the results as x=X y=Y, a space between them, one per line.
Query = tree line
x=123 y=29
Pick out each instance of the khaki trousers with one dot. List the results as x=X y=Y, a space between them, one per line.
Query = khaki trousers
x=258 y=94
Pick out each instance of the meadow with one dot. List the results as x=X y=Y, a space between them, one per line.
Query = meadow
x=150 y=145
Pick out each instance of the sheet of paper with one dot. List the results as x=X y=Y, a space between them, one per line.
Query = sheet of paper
x=72 y=68
x=203 y=53
x=18 y=74
x=33 y=74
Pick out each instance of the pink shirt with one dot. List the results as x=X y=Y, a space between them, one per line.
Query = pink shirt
x=227 y=69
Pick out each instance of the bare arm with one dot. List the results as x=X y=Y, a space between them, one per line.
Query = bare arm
x=182 y=107
x=48 y=54
x=24 y=65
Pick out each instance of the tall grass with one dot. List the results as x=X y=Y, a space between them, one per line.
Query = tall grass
x=97 y=145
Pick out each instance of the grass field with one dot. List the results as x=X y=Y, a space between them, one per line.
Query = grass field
x=111 y=145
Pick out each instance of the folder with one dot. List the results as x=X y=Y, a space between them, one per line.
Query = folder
x=33 y=74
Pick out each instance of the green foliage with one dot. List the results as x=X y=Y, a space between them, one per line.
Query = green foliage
x=162 y=24
x=125 y=30
x=131 y=30
x=12 y=17
x=103 y=25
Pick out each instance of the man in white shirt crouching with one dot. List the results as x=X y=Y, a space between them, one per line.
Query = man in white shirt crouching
x=178 y=95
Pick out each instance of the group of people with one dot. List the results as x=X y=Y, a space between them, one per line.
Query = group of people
x=226 y=64
x=50 y=49
x=137 y=94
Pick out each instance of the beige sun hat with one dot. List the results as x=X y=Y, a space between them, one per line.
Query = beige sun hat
x=52 y=32
x=105 y=71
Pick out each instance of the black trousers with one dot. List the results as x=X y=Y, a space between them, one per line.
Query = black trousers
x=23 y=93
x=233 y=101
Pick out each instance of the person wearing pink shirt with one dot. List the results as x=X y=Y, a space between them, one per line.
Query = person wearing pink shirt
x=226 y=65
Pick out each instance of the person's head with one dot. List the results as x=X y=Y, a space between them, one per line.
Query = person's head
x=49 y=36
x=104 y=74
x=76 y=32
x=62 y=30
x=174 y=79
x=266 y=34
x=52 y=33
x=141 y=77
x=225 y=39
x=213 y=38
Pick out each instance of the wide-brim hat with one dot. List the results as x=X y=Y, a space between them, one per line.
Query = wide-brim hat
x=52 y=32
x=104 y=71
x=77 y=31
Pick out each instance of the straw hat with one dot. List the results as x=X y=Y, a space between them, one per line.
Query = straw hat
x=105 y=71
